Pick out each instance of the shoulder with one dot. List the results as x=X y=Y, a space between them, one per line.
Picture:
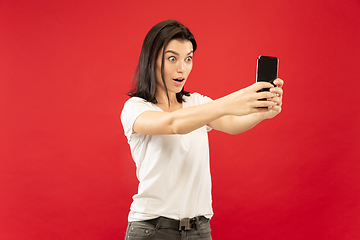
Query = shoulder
x=133 y=107
x=196 y=99
x=137 y=101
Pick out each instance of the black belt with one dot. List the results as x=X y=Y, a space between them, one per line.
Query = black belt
x=183 y=224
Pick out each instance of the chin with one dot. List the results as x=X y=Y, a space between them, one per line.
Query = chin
x=179 y=90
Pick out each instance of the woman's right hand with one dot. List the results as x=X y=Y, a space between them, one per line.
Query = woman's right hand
x=246 y=101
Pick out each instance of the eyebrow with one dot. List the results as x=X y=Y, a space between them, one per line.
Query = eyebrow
x=175 y=53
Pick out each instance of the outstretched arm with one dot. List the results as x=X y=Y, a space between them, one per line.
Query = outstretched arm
x=237 y=124
x=185 y=120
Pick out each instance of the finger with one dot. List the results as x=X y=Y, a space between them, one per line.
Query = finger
x=279 y=82
x=265 y=95
x=278 y=91
x=264 y=104
x=276 y=109
x=260 y=85
x=276 y=100
x=259 y=110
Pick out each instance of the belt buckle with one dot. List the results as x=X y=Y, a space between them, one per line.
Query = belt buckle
x=185 y=224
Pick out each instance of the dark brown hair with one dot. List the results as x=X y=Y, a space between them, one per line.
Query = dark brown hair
x=156 y=39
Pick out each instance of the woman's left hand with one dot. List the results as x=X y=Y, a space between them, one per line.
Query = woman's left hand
x=276 y=109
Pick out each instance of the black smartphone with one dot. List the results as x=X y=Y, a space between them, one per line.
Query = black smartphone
x=267 y=69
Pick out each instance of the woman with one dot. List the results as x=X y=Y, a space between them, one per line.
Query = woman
x=166 y=128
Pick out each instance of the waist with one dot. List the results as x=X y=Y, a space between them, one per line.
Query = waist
x=184 y=224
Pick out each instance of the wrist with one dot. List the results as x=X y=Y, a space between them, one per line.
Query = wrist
x=222 y=106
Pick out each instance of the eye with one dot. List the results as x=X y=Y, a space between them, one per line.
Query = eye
x=189 y=59
x=172 y=59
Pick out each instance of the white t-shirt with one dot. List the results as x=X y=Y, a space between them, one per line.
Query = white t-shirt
x=173 y=170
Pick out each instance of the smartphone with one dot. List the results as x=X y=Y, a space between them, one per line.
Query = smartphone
x=267 y=69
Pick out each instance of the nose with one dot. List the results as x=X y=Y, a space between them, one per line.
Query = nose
x=181 y=66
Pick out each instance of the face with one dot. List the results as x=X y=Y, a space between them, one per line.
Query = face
x=177 y=65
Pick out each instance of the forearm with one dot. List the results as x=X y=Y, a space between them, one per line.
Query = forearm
x=181 y=121
x=236 y=124
x=189 y=119
x=240 y=124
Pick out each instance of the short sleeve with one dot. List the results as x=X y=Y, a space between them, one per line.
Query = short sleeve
x=131 y=111
x=198 y=99
x=204 y=99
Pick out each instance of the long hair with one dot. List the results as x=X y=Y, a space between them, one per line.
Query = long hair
x=144 y=80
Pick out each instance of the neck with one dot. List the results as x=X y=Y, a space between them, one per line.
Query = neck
x=161 y=98
x=166 y=105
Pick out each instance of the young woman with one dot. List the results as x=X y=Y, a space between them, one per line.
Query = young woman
x=167 y=127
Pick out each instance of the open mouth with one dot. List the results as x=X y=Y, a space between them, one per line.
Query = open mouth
x=179 y=79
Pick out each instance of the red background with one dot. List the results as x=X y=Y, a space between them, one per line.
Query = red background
x=65 y=67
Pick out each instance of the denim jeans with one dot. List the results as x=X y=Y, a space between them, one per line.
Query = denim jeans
x=145 y=230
